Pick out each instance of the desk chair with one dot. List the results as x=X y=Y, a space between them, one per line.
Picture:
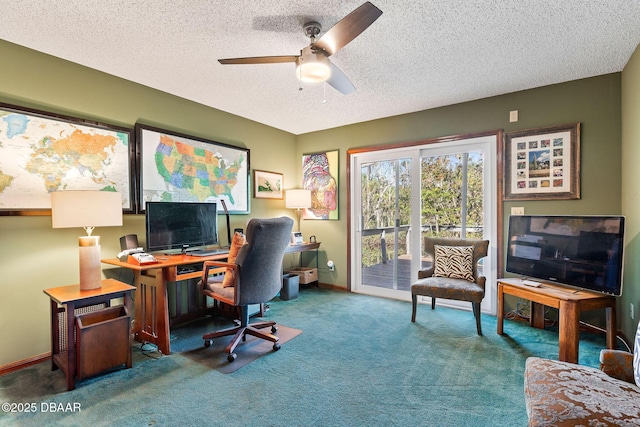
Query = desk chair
x=453 y=274
x=253 y=277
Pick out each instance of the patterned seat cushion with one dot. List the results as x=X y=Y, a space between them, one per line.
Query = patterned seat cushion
x=215 y=286
x=566 y=394
x=447 y=288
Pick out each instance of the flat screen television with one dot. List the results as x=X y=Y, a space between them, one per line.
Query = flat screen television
x=579 y=251
x=184 y=226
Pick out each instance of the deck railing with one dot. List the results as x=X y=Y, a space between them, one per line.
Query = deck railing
x=453 y=231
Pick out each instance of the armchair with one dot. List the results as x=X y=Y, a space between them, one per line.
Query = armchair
x=618 y=364
x=254 y=277
x=566 y=394
x=453 y=274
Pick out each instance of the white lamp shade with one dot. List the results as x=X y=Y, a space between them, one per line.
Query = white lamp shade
x=86 y=209
x=312 y=67
x=296 y=199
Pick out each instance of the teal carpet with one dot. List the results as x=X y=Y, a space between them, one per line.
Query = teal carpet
x=358 y=362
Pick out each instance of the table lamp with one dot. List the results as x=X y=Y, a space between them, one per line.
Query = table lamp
x=87 y=209
x=298 y=199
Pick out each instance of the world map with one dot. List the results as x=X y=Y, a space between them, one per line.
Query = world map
x=181 y=169
x=42 y=155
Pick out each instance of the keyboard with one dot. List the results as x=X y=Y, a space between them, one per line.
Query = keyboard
x=209 y=252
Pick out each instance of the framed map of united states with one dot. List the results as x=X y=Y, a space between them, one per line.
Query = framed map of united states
x=174 y=167
x=41 y=153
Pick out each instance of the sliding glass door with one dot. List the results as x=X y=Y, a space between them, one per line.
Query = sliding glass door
x=404 y=194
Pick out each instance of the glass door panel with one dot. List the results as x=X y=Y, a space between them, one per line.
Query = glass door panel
x=385 y=224
x=452 y=196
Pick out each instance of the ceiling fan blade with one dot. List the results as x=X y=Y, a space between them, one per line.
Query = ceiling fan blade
x=348 y=28
x=259 y=60
x=339 y=81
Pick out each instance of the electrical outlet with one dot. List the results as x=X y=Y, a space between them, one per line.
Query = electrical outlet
x=631 y=311
x=517 y=210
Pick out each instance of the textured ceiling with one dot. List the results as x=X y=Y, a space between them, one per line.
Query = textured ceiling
x=417 y=55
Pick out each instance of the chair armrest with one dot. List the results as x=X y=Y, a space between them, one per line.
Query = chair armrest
x=422 y=274
x=213 y=267
x=218 y=265
x=617 y=364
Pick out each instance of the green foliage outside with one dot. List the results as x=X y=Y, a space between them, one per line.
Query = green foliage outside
x=441 y=198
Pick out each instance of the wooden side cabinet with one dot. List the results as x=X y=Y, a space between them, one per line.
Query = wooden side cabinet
x=103 y=340
x=84 y=328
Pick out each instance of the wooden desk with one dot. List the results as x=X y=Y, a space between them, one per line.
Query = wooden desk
x=151 y=301
x=302 y=247
x=570 y=302
x=63 y=344
x=152 y=323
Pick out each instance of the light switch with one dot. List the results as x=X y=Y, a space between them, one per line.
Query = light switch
x=513 y=116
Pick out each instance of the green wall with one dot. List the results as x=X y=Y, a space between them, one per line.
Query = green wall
x=36 y=257
x=594 y=102
x=631 y=193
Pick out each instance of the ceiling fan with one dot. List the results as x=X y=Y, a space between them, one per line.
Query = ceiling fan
x=313 y=64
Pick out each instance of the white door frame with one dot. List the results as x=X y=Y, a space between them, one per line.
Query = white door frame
x=489 y=145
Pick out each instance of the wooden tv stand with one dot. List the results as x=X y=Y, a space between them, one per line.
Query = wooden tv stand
x=570 y=303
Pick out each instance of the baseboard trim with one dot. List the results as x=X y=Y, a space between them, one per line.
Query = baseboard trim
x=332 y=287
x=15 y=366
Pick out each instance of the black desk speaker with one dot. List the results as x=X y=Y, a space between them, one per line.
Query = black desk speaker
x=130 y=241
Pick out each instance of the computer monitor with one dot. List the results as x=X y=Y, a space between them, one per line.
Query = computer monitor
x=181 y=225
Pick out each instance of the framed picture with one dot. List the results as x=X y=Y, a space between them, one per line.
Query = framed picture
x=267 y=185
x=175 y=167
x=42 y=152
x=543 y=164
x=320 y=174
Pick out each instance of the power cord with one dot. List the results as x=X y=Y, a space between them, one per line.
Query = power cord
x=149 y=350
x=604 y=331
x=521 y=312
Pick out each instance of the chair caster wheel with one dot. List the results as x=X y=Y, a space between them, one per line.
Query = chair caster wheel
x=231 y=357
x=274 y=329
x=276 y=347
x=207 y=343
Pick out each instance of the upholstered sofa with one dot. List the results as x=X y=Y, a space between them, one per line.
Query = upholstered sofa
x=566 y=394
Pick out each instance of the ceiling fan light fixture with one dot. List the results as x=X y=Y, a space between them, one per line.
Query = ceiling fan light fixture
x=313 y=67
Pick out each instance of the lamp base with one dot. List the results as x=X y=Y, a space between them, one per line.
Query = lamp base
x=90 y=271
x=299 y=216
